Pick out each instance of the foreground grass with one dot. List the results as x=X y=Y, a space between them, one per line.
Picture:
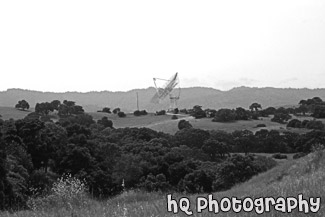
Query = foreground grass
x=305 y=175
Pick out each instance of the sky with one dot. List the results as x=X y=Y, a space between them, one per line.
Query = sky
x=67 y=45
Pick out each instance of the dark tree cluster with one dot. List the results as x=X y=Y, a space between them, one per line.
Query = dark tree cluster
x=197 y=112
x=281 y=117
x=140 y=113
x=315 y=105
x=45 y=108
x=119 y=113
x=309 y=124
x=68 y=108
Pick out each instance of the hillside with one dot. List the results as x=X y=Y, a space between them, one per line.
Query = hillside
x=10 y=112
x=207 y=97
x=290 y=178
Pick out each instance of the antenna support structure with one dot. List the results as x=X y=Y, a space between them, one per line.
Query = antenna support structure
x=170 y=88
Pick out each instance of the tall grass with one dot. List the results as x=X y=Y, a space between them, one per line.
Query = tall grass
x=305 y=175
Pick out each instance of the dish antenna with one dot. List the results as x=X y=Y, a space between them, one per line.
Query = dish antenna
x=168 y=87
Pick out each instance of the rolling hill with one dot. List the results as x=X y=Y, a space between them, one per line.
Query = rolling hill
x=207 y=97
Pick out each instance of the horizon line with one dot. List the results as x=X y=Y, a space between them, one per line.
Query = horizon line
x=116 y=91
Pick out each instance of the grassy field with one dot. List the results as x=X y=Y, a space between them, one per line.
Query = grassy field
x=165 y=124
x=207 y=124
x=9 y=112
x=303 y=176
x=132 y=121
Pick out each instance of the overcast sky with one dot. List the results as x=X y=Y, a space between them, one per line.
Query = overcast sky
x=121 y=45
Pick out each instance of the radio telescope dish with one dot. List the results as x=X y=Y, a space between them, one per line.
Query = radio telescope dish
x=168 y=87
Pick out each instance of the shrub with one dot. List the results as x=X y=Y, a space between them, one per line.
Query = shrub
x=279 y=156
x=197 y=112
x=66 y=192
x=260 y=125
x=316 y=125
x=136 y=113
x=184 y=124
x=116 y=110
x=299 y=155
x=175 y=111
x=105 y=122
x=121 y=114
x=238 y=169
x=106 y=110
x=161 y=112
x=139 y=113
x=174 y=117
x=281 y=117
x=224 y=115
x=295 y=123
x=143 y=112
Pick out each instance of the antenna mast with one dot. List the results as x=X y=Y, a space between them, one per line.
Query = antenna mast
x=138 y=101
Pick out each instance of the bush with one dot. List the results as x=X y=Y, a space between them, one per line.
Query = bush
x=238 y=169
x=279 y=156
x=66 y=192
x=105 y=122
x=260 y=125
x=139 y=113
x=281 y=118
x=315 y=125
x=184 y=124
x=121 y=114
x=116 y=110
x=161 y=112
x=224 y=115
x=197 y=112
x=136 y=113
x=174 y=117
x=295 y=123
x=106 y=110
x=299 y=155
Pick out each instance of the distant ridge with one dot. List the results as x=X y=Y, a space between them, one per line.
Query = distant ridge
x=207 y=97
